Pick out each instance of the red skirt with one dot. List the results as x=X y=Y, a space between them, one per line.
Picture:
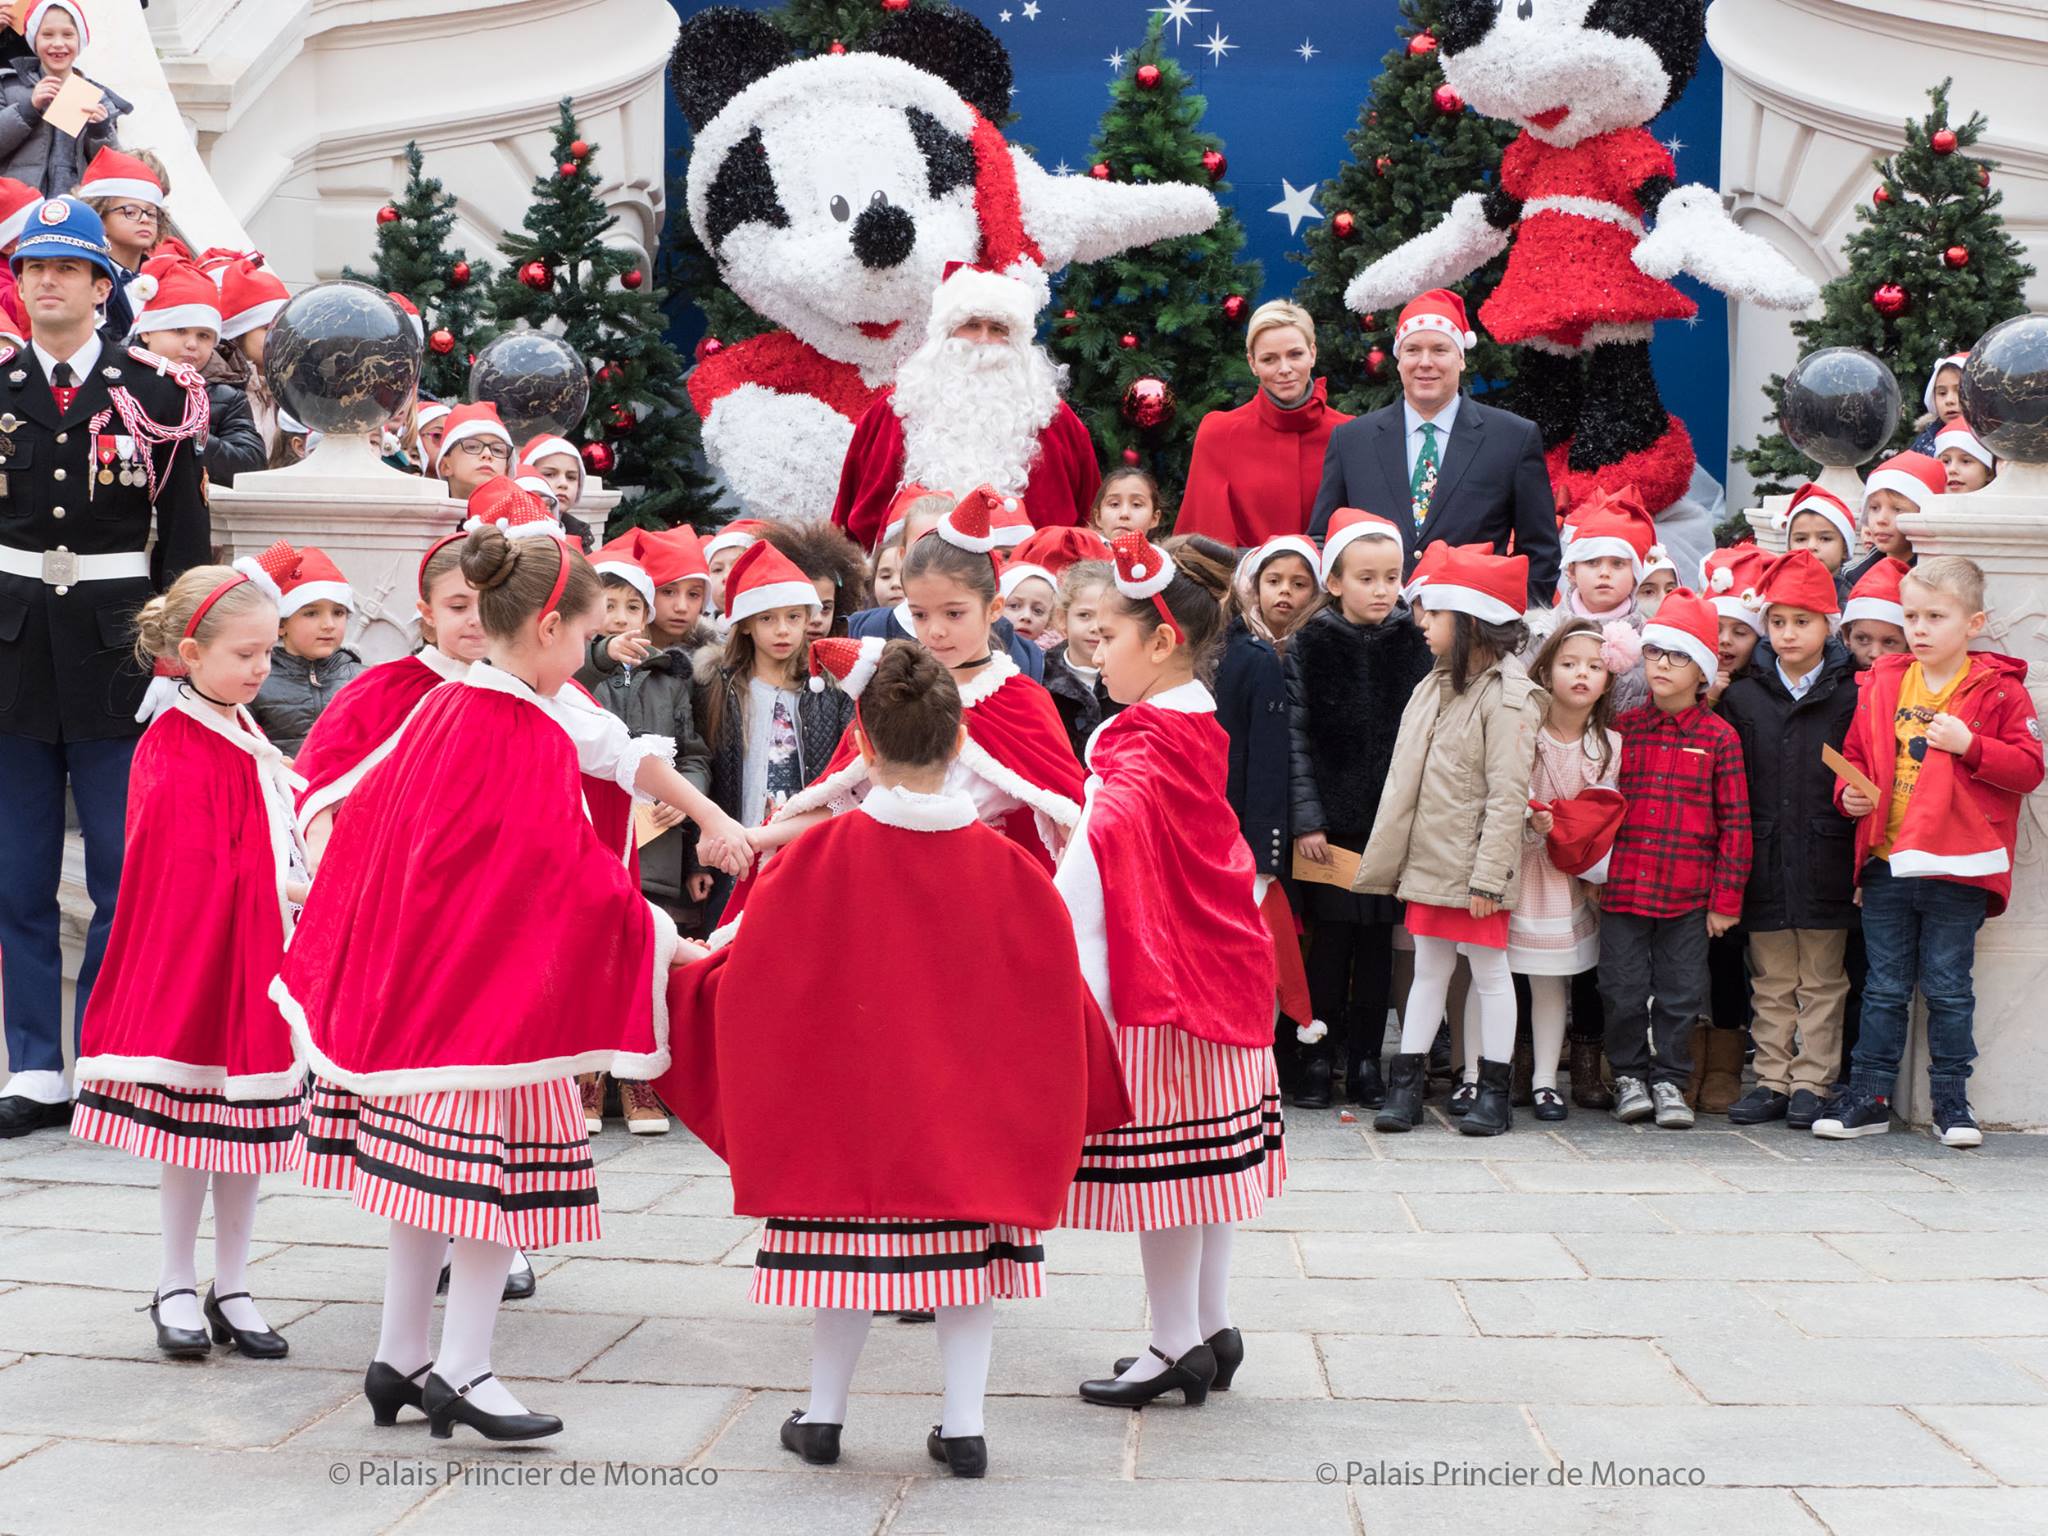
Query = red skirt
x=895 y=1264
x=1457 y=925
x=189 y=1127
x=1206 y=1141
x=507 y=1165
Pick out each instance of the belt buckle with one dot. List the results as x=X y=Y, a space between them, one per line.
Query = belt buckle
x=60 y=567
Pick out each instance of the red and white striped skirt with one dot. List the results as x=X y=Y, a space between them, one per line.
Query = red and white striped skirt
x=1206 y=1141
x=508 y=1165
x=189 y=1127
x=895 y=1263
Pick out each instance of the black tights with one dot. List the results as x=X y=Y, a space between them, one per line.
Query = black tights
x=1350 y=980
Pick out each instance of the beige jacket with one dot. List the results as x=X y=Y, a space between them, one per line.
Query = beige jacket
x=1451 y=814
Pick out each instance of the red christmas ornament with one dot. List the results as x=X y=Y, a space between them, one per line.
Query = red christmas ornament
x=579 y=150
x=1128 y=341
x=633 y=279
x=442 y=342
x=610 y=374
x=598 y=458
x=1422 y=43
x=569 y=168
x=1983 y=175
x=1149 y=403
x=1890 y=300
x=709 y=346
x=1368 y=322
x=1148 y=77
x=1448 y=100
x=837 y=48
x=387 y=215
x=1099 y=170
x=1233 y=307
x=1882 y=195
x=1343 y=224
x=472 y=359
x=1382 y=165
x=1214 y=163
x=1943 y=142
x=1375 y=362
x=1131 y=456
x=1372 y=119
x=895 y=5
x=459 y=273
x=536 y=274
x=1957 y=256
x=621 y=419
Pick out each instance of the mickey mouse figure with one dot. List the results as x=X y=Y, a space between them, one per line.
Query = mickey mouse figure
x=1586 y=277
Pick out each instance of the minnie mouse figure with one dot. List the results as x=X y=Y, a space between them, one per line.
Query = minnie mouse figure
x=1586 y=278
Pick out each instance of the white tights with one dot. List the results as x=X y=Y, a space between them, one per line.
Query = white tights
x=476 y=1284
x=966 y=1340
x=181 y=1199
x=1493 y=997
x=1547 y=997
x=1187 y=1283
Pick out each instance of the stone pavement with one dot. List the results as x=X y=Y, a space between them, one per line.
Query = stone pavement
x=1789 y=1336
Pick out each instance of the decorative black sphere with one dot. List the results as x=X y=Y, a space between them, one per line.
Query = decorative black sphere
x=537 y=382
x=2005 y=389
x=1841 y=405
x=342 y=357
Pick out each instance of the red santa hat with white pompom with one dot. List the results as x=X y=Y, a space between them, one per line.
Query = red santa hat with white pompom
x=1687 y=625
x=850 y=662
x=1347 y=526
x=1438 y=310
x=1822 y=503
x=1472 y=579
x=1876 y=595
x=294 y=578
x=1730 y=578
x=518 y=514
x=764 y=579
x=1582 y=831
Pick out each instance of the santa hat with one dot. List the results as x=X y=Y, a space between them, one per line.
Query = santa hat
x=169 y=294
x=899 y=509
x=1438 y=310
x=1688 y=625
x=1656 y=558
x=969 y=293
x=1143 y=573
x=1426 y=567
x=549 y=447
x=1347 y=526
x=1876 y=594
x=971 y=523
x=1957 y=434
x=500 y=503
x=1058 y=548
x=1914 y=476
x=537 y=486
x=1583 y=829
x=17 y=201
x=1730 y=577
x=1610 y=526
x=622 y=558
x=113 y=174
x=851 y=662
x=1008 y=522
x=1953 y=360
x=737 y=534
x=1017 y=572
x=674 y=554
x=412 y=313
x=293 y=578
x=478 y=419
x=250 y=297
x=1797 y=579
x=1280 y=544
x=764 y=579
x=1472 y=579
x=216 y=259
x=1822 y=503
x=39 y=12
x=432 y=411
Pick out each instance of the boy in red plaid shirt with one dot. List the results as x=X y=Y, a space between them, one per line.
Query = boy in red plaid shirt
x=1679 y=864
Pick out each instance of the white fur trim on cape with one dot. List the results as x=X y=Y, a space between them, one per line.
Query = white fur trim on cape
x=1670 y=638
x=307 y=593
x=1694 y=234
x=916 y=812
x=1461 y=243
x=1056 y=808
x=835 y=794
x=1079 y=882
x=274 y=779
x=1190 y=698
x=723 y=935
x=184 y=1074
x=987 y=680
x=1077 y=218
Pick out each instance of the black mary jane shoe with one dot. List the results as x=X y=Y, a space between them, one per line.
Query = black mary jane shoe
x=1191 y=1375
x=1226 y=1344
x=1462 y=1098
x=1550 y=1105
x=816 y=1443
x=178 y=1343
x=964 y=1455
x=448 y=1406
x=519 y=1283
x=388 y=1391
x=256 y=1343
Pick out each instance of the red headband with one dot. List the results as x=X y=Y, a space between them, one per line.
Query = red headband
x=561 y=576
x=437 y=547
x=1166 y=617
x=234 y=581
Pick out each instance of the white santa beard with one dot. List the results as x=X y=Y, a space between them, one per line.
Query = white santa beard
x=972 y=412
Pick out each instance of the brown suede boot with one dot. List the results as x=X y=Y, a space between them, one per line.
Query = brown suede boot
x=1721 y=1085
x=1592 y=1083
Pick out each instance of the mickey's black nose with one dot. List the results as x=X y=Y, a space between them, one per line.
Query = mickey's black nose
x=883 y=236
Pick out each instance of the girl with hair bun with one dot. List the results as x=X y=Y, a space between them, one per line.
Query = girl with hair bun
x=471 y=946
x=1164 y=901
x=181 y=1057
x=959 y=1105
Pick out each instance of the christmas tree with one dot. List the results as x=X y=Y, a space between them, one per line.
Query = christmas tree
x=640 y=432
x=1415 y=149
x=1155 y=335
x=1930 y=270
x=414 y=258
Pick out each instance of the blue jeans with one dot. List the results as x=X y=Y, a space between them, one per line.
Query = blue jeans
x=1918 y=933
x=32 y=779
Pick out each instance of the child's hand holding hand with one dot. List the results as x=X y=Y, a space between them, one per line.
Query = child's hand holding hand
x=629 y=650
x=1719 y=923
x=1949 y=734
x=1483 y=906
x=1855 y=802
x=1313 y=846
x=688 y=952
x=699 y=885
x=724 y=846
x=1540 y=822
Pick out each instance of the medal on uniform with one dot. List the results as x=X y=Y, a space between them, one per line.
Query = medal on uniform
x=130 y=474
x=105 y=453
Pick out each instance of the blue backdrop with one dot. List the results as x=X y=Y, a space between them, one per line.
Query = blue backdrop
x=1284 y=79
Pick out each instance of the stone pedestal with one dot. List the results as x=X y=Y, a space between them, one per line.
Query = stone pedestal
x=2004 y=528
x=1770 y=537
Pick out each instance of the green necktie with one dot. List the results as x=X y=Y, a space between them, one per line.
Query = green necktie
x=1423 y=484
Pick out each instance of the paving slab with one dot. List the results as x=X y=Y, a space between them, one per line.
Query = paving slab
x=1502 y=1370
x=1762 y=1447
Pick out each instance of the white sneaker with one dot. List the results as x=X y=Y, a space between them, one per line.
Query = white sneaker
x=1631 y=1100
x=1673 y=1114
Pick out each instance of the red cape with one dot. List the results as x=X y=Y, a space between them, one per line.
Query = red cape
x=469 y=928
x=200 y=923
x=1173 y=914
x=1059 y=494
x=1255 y=471
x=356 y=729
x=952 y=1081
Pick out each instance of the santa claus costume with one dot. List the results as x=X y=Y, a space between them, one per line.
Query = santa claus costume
x=463 y=956
x=976 y=1133
x=1164 y=901
x=182 y=1058
x=966 y=412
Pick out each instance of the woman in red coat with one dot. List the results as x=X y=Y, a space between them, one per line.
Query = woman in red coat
x=1256 y=470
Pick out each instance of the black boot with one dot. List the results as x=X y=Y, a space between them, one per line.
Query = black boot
x=1312 y=1088
x=1367 y=1088
x=1403 y=1108
x=1489 y=1114
x=1440 y=1051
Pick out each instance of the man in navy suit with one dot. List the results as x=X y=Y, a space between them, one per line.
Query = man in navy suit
x=1440 y=465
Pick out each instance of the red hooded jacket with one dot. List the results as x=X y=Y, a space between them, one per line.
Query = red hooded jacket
x=1964 y=815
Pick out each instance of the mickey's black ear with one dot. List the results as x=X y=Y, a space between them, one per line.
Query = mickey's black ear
x=957 y=48
x=720 y=53
x=1674 y=29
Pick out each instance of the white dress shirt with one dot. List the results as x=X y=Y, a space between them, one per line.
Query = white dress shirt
x=82 y=362
x=1444 y=420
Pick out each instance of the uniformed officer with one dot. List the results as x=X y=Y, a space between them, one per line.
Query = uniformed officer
x=96 y=444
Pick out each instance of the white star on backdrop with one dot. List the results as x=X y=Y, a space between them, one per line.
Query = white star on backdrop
x=1296 y=205
x=1115 y=62
x=1180 y=13
x=1674 y=145
x=1002 y=15
x=1031 y=10
x=1063 y=169
x=1217 y=46
x=1307 y=50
